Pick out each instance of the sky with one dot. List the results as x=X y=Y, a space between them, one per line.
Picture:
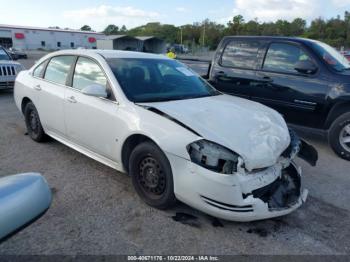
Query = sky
x=98 y=14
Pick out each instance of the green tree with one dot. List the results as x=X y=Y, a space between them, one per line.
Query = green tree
x=317 y=29
x=164 y=31
x=123 y=29
x=252 y=27
x=298 y=27
x=111 y=30
x=335 y=31
x=213 y=33
x=347 y=25
x=85 y=28
x=236 y=25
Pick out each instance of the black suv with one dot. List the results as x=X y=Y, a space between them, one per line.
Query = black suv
x=307 y=81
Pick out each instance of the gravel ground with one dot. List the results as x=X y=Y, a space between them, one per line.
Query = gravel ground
x=96 y=211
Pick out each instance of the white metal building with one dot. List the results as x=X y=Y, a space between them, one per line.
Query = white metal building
x=119 y=42
x=25 y=37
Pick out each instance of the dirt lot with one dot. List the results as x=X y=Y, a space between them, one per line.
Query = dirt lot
x=96 y=211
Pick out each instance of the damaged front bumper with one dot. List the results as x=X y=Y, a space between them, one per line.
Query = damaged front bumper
x=244 y=196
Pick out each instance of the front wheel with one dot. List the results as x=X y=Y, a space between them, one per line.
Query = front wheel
x=339 y=136
x=34 y=127
x=151 y=175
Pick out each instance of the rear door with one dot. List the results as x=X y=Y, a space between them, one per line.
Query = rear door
x=51 y=89
x=234 y=71
x=299 y=97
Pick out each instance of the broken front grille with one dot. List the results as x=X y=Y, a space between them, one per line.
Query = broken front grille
x=7 y=71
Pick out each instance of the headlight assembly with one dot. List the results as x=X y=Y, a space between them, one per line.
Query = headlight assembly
x=213 y=156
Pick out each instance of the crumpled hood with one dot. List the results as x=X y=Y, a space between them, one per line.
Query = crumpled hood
x=255 y=132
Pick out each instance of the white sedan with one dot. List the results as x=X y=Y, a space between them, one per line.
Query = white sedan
x=176 y=135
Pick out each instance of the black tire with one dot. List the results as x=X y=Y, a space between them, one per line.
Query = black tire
x=34 y=127
x=336 y=132
x=151 y=175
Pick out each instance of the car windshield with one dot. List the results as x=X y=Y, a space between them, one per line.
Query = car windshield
x=331 y=56
x=4 y=55
x=156 y=80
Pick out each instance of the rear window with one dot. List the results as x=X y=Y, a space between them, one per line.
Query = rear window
x=58 y=69
x=241 y=54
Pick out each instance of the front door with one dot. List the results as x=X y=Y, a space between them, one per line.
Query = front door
x=299 y=97
x=91 y=122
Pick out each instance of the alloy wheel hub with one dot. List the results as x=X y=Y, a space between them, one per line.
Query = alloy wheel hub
x=344 y=137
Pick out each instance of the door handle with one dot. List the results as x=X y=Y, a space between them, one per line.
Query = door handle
x=305 y=102
x=267 y=79
x=71 y=99
x=220 y=73
x=37 y=87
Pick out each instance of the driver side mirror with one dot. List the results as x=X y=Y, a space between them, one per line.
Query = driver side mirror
x=95 y=90
x=306 y=67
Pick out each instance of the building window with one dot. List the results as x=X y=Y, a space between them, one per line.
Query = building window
x=43 y=43
x=72 y=44
x=58 y=44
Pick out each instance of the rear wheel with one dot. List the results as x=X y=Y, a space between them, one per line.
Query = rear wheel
x=151 y=175
x=339 y=136
x=34 y=127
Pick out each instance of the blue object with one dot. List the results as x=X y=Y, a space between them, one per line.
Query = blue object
x=23 y=197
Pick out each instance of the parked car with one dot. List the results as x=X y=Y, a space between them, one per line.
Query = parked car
x=17 y=54
x=179 y=49
x=8 y=70
x=176 y=135
x=307 y=81
x=23 y=198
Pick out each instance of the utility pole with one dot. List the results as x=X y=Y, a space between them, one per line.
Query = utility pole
x=181 y=35
x=203 y=40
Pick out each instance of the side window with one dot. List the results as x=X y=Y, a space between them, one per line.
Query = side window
x=86 y=73
x=283 y=57
x=58 y=69
x=241 y=54
x=39 y=70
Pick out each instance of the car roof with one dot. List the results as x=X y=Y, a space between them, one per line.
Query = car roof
x=111 y=53
x=269 y=38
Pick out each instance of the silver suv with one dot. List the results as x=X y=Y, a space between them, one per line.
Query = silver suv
x=8 y=70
